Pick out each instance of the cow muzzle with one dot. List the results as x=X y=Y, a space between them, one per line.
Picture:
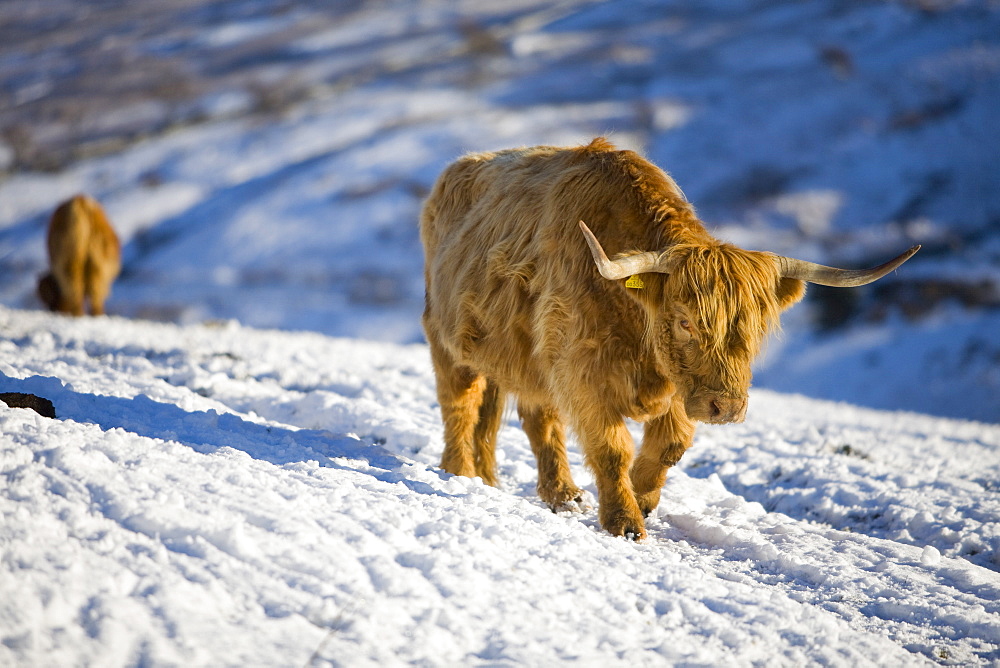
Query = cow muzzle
x=716 y=409
x=725 y=409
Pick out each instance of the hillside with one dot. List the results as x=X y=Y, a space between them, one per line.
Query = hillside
x=218 y=495
x=265 y=161
x=242 y=470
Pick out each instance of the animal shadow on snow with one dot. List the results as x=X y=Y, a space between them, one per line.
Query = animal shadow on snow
x=208 y=431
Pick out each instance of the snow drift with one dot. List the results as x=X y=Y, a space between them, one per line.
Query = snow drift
x=218 y=495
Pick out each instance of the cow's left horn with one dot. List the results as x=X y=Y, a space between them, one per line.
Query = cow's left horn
x=623 y=267
x=810 y=272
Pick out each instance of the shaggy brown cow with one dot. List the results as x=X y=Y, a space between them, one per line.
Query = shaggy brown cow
x=84 y=258
x=516 y=303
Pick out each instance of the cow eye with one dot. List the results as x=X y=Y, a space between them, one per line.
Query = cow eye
x=685 y=325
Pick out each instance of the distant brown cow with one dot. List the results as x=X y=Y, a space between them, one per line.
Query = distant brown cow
x=522 y=299
x=84 y=258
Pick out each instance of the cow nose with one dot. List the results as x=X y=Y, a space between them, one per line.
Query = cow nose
x=728 y=409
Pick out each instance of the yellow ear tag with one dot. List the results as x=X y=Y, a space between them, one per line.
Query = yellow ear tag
x=634 y=282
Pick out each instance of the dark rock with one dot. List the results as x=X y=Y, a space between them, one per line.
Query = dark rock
x=38 y=404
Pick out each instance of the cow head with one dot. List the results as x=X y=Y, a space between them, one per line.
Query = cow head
x=48 y=292
x=711 y=308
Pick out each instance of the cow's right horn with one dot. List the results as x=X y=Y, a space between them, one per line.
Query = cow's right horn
x=623 y=267
x=810 y=272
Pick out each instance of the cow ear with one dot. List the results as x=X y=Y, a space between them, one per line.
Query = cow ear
x=790 y=290
x=648 y=290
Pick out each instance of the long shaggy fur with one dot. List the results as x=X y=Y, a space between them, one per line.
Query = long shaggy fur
x=84 y=258
x=515 y=305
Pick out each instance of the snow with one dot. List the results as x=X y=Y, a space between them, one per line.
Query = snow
x=253 y=479
x=220 y=495
x=283 y=190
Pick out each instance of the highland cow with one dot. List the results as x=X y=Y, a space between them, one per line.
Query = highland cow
x=84 y=258
x=522 y=300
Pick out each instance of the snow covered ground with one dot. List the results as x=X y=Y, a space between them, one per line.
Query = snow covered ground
x=266 y=161
x=217 y=495
x=233 y=486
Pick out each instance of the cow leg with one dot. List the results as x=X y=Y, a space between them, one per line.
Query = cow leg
x=71 y=300
x=99 y=278
x=608 y=448
x=460 y=393
x=664 y=441
x=69 y=277
x=548 y=441
x=484 y=438
x=96 y=293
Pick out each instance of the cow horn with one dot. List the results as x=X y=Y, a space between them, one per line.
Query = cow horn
x=810 y=272
x=623 y=267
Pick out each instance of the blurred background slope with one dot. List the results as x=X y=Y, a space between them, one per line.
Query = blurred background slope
x=265 y=160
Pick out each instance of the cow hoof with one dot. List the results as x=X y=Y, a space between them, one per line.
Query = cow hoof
x=648 y=502
x=567 y=498
x=630 y=528
x=581 y=503
x=635 y=535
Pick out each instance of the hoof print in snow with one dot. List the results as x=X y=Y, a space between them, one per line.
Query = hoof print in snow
x=40 y=405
